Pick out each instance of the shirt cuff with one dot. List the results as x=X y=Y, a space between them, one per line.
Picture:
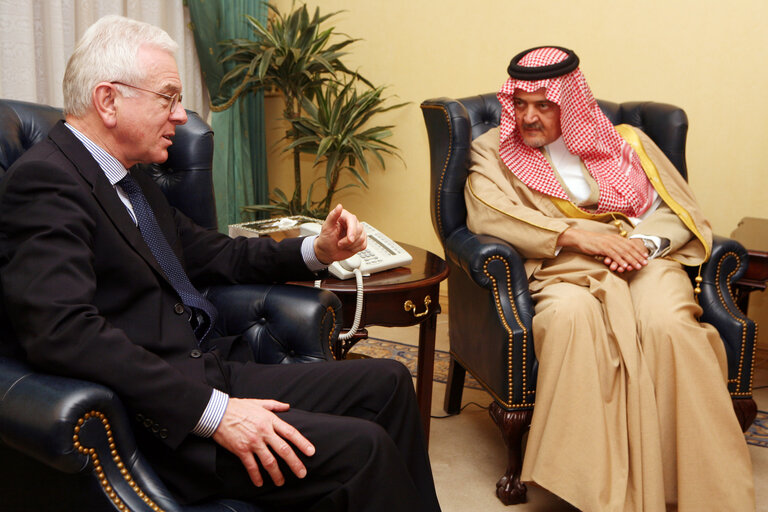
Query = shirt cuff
x=308 y=253
x=212 y=415
x=661 y=244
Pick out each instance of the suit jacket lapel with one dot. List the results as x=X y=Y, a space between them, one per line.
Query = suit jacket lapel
x=103 y=191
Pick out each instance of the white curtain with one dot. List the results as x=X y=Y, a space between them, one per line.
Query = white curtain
x=38 y=36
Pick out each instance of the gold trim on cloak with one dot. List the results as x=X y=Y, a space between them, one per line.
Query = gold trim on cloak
x=629 y=135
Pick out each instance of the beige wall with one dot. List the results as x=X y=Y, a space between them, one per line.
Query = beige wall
x=703 y=55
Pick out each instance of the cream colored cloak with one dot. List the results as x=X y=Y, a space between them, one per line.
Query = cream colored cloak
x=632 y=411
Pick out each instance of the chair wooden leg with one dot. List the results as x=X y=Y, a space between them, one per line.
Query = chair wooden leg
x=513 y=424
x=746 y=411
x=454 y=387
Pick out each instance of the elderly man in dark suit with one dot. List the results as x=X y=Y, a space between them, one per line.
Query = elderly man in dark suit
x=98 y=271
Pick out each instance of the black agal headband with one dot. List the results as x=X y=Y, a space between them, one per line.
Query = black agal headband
x=531 y=74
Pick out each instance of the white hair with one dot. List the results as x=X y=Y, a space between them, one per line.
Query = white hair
x=107 y=53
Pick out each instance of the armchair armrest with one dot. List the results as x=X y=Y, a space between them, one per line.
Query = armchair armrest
x=726 y=265
x=489 y=260
x=280 y=323
x=77 y=427
x=489 y=273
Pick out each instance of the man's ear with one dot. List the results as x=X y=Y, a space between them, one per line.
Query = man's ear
x=105 y=103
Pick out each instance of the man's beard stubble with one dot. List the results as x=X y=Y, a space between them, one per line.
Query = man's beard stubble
x=535 y=142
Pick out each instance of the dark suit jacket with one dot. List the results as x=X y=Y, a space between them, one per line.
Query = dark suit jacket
x=87 y=298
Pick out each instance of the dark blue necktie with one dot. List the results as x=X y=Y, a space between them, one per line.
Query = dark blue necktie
x=153 y=236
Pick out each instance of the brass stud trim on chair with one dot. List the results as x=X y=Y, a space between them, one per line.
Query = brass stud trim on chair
x=487 y=388
x=99 y=469
x=508 y=403
x=448 y=155
x=330 y=310
x=743 y=323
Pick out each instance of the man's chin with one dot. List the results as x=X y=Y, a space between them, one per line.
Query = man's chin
x=534 y=142
x=160 y=157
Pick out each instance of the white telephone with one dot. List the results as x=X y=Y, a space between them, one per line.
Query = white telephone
x=381 y=254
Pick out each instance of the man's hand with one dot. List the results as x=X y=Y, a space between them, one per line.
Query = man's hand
x=342 y=236
x=619 y=254
x=250 y=426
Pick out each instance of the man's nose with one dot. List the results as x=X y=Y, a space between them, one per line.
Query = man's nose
x=178 y=115
x=530 y=115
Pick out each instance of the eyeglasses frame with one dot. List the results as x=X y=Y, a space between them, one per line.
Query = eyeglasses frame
x=175 y=99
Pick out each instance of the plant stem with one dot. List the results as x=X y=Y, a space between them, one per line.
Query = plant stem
x=292 y=110
x=296 y=201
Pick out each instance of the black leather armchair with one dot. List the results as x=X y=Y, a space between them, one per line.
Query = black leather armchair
x=490 y=308
x=67 y=444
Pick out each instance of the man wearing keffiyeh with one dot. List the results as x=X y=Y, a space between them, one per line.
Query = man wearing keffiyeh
x=632 y=410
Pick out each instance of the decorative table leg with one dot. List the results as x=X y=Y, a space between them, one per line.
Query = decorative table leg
x=426 y=370
x=513 y=424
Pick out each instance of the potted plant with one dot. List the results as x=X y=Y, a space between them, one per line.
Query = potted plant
x=327 y=105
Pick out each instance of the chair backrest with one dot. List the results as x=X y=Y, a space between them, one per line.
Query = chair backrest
x=452 y=124
x=186 y=177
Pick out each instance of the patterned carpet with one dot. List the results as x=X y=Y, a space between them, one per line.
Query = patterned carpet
x=758 y=432
x=407 y=354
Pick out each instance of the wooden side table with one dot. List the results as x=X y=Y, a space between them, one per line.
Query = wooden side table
x=399 y=297
x=752 y=233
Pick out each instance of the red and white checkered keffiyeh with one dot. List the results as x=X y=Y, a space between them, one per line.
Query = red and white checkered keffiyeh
x=586 y=132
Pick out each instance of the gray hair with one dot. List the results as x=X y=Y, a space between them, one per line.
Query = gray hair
x=107 y=53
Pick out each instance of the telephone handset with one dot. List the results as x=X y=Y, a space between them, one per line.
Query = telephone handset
x=382 y=253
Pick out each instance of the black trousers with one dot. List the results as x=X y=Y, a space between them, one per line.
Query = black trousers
x=362 y=417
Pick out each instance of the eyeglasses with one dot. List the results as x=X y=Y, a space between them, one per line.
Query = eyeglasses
x=175 y=99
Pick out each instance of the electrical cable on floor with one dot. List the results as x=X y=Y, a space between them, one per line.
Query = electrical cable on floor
x=462 y=408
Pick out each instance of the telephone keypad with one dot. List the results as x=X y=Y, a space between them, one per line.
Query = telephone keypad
x=369 y=257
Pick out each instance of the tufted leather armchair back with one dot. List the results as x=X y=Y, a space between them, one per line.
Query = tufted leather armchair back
x=22 y=125
x=186 y=177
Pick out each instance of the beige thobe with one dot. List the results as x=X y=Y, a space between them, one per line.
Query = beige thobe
x=632 y=410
